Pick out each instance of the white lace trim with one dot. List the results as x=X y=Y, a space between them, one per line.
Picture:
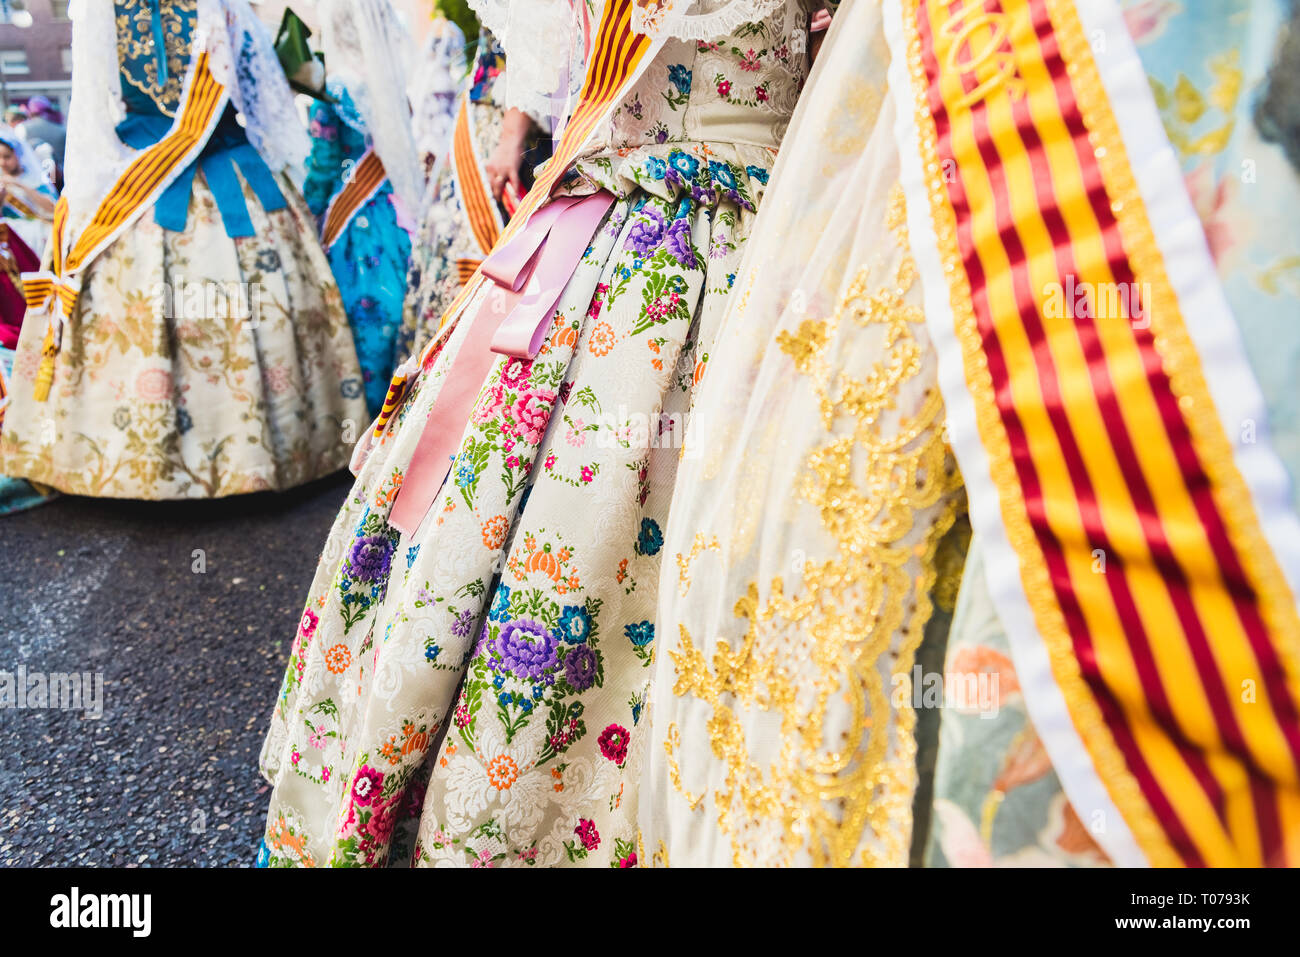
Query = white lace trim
x=702 y=23
x=545 y=62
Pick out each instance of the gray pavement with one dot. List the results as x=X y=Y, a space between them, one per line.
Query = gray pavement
x=191 y=654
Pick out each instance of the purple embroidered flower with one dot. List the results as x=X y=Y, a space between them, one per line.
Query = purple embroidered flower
x=463 y=623
x=527 y=649
x=645 y=233
x=580 y=667
x=370 y=558
x=678 y=243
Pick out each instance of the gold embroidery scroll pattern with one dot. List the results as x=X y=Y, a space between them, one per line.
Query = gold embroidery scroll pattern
x=982 y=36
x=137 y=46
x=816 y=653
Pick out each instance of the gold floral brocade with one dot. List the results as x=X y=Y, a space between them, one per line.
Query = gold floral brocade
x=824 y=664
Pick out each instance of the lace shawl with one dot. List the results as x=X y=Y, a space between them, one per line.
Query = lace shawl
x=367 y=51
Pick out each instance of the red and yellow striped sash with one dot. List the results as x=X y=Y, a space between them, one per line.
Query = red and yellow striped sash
x=480 y=210
x=1169 y=628
x=616 y=56
x=135 y=191
x=367 y=176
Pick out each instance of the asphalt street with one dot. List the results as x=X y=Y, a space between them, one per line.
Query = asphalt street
x=188 y=611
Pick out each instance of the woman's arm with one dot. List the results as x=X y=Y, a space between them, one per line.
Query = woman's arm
x=38 y=201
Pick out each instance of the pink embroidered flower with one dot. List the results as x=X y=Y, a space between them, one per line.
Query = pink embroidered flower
x=308 y=624
x=587 y=833
x=531 y=412
x=512 y=462
x=295 y=757
x=575 y=436
x=277 y=379
x=484 y=859
x=381 y=823
x=516 y=372
x=462 y=717
x=598 y=300
x=761 y=93
x=317 y=737
x=629 y=861
x=724 y=87
x=613 y=743
x=587 y=474
x=154 y=385
x=489 y=404
x=749 y=62
x=325 y=775
x=550 y=460
x=365 y=788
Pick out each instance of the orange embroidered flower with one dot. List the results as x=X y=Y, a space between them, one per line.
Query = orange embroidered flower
x=337 y=659
x=602 y=339
x=494 y=532
x=502 y=772
x=408 y=729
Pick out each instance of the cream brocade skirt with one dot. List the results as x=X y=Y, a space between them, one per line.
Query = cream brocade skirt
x=195 y=365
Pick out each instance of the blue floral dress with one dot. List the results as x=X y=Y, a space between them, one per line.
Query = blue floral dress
x=370 y=257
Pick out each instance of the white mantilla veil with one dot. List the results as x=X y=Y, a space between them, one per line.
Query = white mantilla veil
x=367 y=49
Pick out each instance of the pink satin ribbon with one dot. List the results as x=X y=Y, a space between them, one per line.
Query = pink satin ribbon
x=527 y=275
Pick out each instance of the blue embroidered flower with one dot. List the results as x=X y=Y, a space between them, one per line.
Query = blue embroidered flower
x=722 y=175
x=526 y=705
x=655 y=167
x=498 y=681
x=183 y=421
x=504 y=698
x=758 y=173
x=680 y=77
x=464 y=472
x=263 y=854
x=684 y=163
x=651 y=539
x=410 y=555
x=431 y=653
x=640 y=634
x=575 y=624
x=500 y=604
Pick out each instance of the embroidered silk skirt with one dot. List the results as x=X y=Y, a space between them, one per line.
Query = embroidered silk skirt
x=195 y=365
x=480 y=684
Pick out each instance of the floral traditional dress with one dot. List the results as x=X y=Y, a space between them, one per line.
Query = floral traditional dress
x=208 y=353
x=369 y=257
x=483 y=681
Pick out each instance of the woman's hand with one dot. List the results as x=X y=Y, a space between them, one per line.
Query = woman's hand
x=505 y=165
x=821 y=22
